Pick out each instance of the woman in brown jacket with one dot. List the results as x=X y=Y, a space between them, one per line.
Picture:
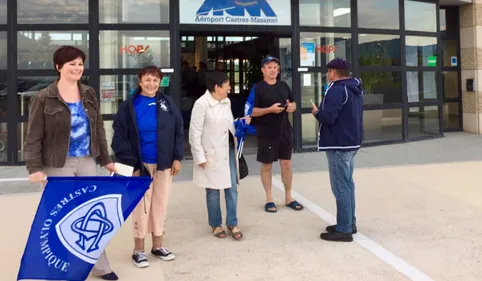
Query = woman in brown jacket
x=66 y=131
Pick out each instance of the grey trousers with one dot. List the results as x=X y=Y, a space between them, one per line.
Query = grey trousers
x=80 y=166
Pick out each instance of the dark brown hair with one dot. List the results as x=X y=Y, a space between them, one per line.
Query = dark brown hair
x=342 y=72
x=65 y=54
x=152 y=70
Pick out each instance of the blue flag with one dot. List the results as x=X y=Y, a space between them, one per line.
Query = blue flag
x=76 y=219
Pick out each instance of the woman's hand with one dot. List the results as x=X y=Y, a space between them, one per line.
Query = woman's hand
x=38 y=177
x=247 y=119
x=203 y=165
x=176 y=167
x=111 y=168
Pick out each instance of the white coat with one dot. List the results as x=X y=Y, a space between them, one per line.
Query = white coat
x=211 y=123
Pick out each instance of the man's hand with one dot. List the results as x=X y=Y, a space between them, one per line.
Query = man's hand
x=202 y=165
x=314 y=109
x=276 y=108
x=176 y=167
x=291 y=106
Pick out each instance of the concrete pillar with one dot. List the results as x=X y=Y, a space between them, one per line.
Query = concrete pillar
x=471 y=65
x=201 y=47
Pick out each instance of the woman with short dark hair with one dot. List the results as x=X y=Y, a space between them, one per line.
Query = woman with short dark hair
x=149 y=136
x=213 y=146
x=66 y=132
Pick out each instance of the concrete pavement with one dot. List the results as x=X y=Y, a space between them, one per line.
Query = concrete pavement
x=418 y=209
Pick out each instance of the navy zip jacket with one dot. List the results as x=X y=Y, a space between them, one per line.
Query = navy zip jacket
x=341 y=116
x=170 y=134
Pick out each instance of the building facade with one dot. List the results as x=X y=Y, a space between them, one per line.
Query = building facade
x=420 y=60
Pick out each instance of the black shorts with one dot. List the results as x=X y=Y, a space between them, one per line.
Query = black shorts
x=271 y=150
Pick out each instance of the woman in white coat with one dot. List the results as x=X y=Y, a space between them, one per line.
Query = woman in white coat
x=213 y=147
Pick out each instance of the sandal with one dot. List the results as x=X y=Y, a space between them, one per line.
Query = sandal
x=295 y=205
x=236 y=235
x=270 y=207
x=220 y=234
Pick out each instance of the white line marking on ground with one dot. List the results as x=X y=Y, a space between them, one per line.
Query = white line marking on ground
x=13 y=179
x=377 y=250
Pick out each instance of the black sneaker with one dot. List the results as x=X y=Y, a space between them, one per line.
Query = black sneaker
x=163 y=253
x=337 y=237
x=140 y=259
x=332 y=228
x=110 y=276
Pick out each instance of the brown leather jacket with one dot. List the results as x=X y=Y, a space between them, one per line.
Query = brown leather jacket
x=49 y=125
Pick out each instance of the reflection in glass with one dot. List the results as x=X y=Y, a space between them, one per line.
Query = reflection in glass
x=3 y=11
x=421 y=51
x=134 y=49
x=450 y=85
x=309 y=130
x=423 y=121
x=317 y=49
x=379 y=50
x=382 y=87
x=36 y=48
x=114 y=89
x=3 y=142
x=330 y=13
x=3 y=94
x=378 y=14
x=134 y=11
x=451 y=116
x=286 y=58
x=443 y=20
x=421 y=85
x=3 y=50
x=313 y=86
x=109 y=134
x=382 y=125
x=29 y=86
x=449 y=51
x=53 y=11
x=420 y=16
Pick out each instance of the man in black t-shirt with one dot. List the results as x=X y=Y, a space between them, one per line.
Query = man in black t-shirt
x=272 y=103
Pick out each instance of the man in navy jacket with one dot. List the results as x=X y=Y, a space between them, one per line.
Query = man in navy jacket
x=340 y=116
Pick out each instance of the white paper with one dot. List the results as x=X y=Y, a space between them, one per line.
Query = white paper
x=124 y=170
x=307 y=80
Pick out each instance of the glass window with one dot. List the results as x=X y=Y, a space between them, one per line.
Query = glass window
x=53 y=11
x=378 y=14
x=21 y=134
x=309 y=130
x=423 y=121
x=3 y=142
x=3 y=94
x=317 y=49
x=382 y=125
x=29 y=86
x=109 y=134
x=134 y=11
x=313 y=86
x=113 y=90
x=421 y=85
x=420 y=16
x=134 y=49
x=449 y=53
x=379 y=50
x=421 y=51
x=330 y=13
x=3 y=50
x=3 y=11
x=36 y=48
x=451 y=116
x=382 y=87
x=450 y=85
x=449 y=21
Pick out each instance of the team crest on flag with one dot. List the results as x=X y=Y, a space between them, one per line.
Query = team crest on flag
x=76 y=219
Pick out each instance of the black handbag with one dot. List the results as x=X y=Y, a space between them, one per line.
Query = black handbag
x=243 y=168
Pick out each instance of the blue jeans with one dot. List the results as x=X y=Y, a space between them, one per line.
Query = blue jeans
x=341 y=166
x=231 y=195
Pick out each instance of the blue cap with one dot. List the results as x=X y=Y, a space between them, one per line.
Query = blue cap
x=339 y=63
x=269 y=59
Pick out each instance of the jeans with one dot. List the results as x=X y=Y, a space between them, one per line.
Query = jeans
x=231 y=195
x=341 y=166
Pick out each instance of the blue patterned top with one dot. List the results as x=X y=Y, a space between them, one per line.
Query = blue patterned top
x=80 y=131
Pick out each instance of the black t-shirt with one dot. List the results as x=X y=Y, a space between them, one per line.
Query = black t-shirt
x=272 y=125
